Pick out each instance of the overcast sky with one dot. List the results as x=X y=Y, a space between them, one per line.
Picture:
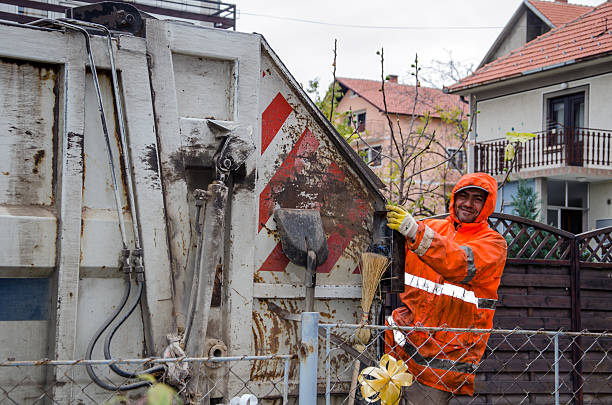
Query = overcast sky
x=302 y=33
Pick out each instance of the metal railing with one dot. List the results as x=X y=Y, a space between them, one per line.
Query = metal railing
x=221 y=15
x=553 y=148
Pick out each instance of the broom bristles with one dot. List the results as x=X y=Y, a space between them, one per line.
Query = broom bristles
x=373 y=266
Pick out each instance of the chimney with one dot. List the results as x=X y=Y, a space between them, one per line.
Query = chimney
x=392 y=78
x=561 y=1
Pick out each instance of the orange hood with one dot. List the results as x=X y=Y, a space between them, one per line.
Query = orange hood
x=482 y=180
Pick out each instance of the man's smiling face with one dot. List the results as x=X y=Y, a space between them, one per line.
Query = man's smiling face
x=469 y=203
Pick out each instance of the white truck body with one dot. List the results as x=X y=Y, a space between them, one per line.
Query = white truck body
x=58 y=224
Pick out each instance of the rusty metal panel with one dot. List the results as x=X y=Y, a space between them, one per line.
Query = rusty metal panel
x=28 y=108
x=100 y=239
x=272 y=334
x=28 y=125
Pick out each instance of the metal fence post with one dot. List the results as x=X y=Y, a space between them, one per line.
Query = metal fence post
x=309 y=351
x=286 y=383
x=556 y=340
x=327 y=367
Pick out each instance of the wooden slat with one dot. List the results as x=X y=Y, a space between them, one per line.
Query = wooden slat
x=548 y=323
x=596 y=284
x=534 y=301
x=509 y=386
x=535 y=280
x=595 y=304
x=541 y=365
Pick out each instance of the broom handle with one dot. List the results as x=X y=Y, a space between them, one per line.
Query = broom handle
x=353 y=390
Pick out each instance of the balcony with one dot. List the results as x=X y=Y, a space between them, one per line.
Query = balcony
x=556 y=148
x=218 y=14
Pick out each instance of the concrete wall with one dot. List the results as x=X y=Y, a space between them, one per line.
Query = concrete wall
x=517 y=112
x=516 y=37
x=600 y=208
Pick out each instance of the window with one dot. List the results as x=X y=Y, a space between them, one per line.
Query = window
x=457 y=161
x=358 y=119
x=568 y=202
x=361 y=121
x=373 y=156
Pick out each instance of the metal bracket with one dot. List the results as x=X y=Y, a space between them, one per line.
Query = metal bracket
x=237 y=147
x=116 y=16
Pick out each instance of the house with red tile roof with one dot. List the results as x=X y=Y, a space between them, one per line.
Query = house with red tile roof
x=558 y=88
x=531 y=19
x=364 y=99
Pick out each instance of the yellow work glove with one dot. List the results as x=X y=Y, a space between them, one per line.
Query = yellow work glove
x=400 y=220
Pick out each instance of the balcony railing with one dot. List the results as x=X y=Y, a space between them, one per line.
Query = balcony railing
x=583 y=147
x=217 y=13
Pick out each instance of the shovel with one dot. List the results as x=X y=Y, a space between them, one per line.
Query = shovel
x=304 y=243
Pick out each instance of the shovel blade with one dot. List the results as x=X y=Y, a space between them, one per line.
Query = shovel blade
x=301 y=230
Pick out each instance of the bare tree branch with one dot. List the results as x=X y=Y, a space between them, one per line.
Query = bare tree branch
x=333 y=100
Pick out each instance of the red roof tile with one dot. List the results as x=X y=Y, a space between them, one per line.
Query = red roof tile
x=560 y=13
x=400 y=97
x=584 y=38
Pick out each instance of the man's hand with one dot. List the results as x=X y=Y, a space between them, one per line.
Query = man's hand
x=400 y=220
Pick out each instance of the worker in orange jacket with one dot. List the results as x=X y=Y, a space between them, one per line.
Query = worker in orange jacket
x=453 y=269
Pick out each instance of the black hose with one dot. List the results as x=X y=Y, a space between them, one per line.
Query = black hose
x=109 y=337
x=92 y=343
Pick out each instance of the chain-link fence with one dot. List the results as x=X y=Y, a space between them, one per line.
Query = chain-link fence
x=68 y=382
x=517 y=366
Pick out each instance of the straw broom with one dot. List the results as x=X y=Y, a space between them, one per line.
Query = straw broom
x=373 y=267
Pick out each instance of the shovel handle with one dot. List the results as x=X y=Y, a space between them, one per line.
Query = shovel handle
x=310 y=279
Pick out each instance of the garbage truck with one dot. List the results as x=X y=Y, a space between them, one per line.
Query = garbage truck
x=143 y=167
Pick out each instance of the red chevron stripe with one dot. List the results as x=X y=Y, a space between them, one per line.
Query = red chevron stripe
x=292 y=166
x=276 y=261
x=273 y=119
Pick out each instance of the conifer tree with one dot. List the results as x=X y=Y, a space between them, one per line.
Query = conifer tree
x=526 y=201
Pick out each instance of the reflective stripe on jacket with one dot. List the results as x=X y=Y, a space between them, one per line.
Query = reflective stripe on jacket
x=453 y=270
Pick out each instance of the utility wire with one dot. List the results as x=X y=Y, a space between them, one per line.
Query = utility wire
x=384 y=27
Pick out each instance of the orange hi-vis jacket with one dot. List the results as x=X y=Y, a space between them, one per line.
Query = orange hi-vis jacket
x=452 y=273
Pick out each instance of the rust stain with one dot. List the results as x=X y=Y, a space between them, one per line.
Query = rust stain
x=38 y=157
x=272 y=335
x=151 y=161
x=150 y=158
